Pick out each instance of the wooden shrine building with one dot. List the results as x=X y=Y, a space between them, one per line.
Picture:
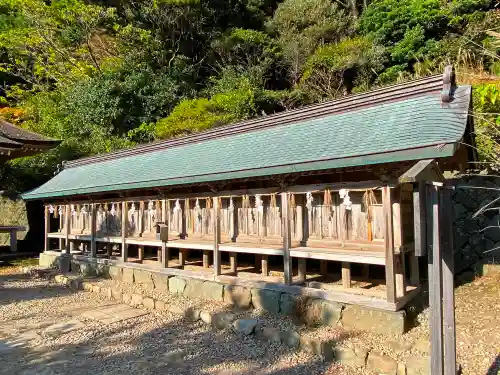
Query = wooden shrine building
x=321 y=197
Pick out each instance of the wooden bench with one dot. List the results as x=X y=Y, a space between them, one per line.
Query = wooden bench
x=12 y=230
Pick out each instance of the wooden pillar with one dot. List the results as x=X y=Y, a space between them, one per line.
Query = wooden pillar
x=448 y=269
x=93 y=230
x=287 y=238
x=389 y=246
x=435 y=290
x=206 y=259
x=414 y=270
x=13 y=240
x=366 y=271
x=61 y=226
x=67 y=224
x=124 y=254
x=140 y=221
x=141 y=252
x=323 y=267
x=302 y=269
x=257 y=259
x=182 y=257
x=399 y=260
x=47 y=230
x=165 y=256
x=346 y=274
x=109 y=249
x=420 y=219
x=217 y=260
x=264 y=265
x=233 y=262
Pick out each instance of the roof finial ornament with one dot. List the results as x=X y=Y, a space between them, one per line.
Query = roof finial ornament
x=449 y=84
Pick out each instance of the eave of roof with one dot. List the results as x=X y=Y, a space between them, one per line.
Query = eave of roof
x=406 y=122
x=15 y=133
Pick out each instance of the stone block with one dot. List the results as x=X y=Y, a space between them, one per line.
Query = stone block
x=321 y=312
x=423 y=345
x=160 y=305
x=192 y=314
x=381 y=363
x=194 y=288
x=290 y=338
x=160 y=282
x=115 y=273
x=96 y=289
x=105 y=291
x=222 y=320
x=206 y=317
x=149 y=303
x=60 y=279
x=174 y=309
x=373 y=320
x=267 y=300
x=116 y=293
x=75 y=283
x=212 y=291
x=87 y=286
x=176 y=285
x=126 y=298
x=292 y=304
x=245 y=326
x=136 y=300
x=237 y=296
x=350 y=356
x=128 y=275
x=270 y=334
x=143 y=277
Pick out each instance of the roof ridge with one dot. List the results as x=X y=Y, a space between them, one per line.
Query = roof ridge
x=345 y=104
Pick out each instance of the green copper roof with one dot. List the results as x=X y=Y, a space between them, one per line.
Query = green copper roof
x=402 y=127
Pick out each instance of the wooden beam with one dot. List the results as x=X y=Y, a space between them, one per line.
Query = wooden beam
x=47 y=230
x=423 y=170
x=346 y=275
x=93 y=230
x=302 y=269
x=265 y=265
x=287 y=238
x=389 y=246
x=124 y=255
x=420 y=219
x=448 y=269
x=217 y=260
x=435 y=291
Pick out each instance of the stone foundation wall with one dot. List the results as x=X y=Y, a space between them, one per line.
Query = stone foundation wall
x=476 y=239
x=313 y=311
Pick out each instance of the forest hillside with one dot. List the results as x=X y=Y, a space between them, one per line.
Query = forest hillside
x=103 y=75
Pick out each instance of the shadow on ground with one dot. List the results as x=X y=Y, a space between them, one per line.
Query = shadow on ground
x=167 y=344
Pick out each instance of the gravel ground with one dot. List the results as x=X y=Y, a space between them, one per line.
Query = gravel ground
x=151 y=344
x=164 y=343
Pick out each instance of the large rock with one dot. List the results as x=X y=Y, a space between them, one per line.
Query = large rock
x=176 y=285
x=212 y=291
x=160 y=305
x=116 y=293
x=206 y=317
x=136 y=300
x=192 y=314
x=160 y=281
x=222 y=320
x=245 y=326
x=194 y=288
x=128 y=275
x=381 y=363
x=237 y=296
x=310 y=344
x=321 y=312
x=350 y=356
x=143 y=277
x=267 y=300
x=373 y=320
x=269 y=333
